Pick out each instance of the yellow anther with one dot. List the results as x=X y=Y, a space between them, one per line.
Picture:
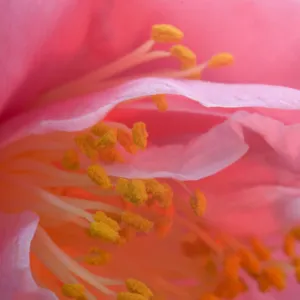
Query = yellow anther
x=126 y=140
x=100 y=129
x=161 y=192
x=154 y=187
x=289 y=245
x=70 y=160
x=264 y=283
x=137 y=222
x=249 y=262
x=198 y=203
x=138 y=287
x=230 y=288
x=209 y=296
x=74 y=291
x=133 y=190
x=108 y=139
x=297 y=274
x=100 y=216
x=232 y=266
x=296 y=233
x=130 y=296
x=185 y=55
x=97 y=259
x=260 y=250
x=220 y=60
x=104 y=231
x=140 y=135
x=99 y=176
x=165 y=199
x=86 y=144
x=160 y=101
x=165 y=33
x=110 y=155
x=276 y=277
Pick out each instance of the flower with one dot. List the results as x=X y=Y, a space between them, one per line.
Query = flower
x=156 y=186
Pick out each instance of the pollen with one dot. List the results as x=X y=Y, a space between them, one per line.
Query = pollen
x=108 y=139
x=165 y=33
x=100 y=129
x=161 y=192
x=70 y=160
x=230 y=288
x=86 y=144
x=98 y=259
x=133 y=190
x=249 y=262
x=198 y=203
x=104 y=231
x=276 y=277
x=232 y=265
x=260 y=250
x=137 y=222
x=160 y=101
x=289 y=245
x=140 y=135
x=138 y=287
x=74 y=291
x=110 y=155
x=185 y=55
x=100 y=216
x=97 y=174
x=126 y=140
x=220 y=60
x=130 y=296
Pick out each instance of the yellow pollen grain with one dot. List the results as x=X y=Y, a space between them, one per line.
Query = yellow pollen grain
x=125 y=139
x=74 y=291
x=289 y=245
x=160 y=101
x=165 y=199
x=104 y=231
x=260 y=250
x=130 y=296
x=198 y=203
x=98 y=259
x=136 y=286
x=100 y=129
x=276 y=277
x=140 y=135
x=249 y=262
x=110 y=155
x=137 y=222
x=185 y=55
x=70 y=160
x=209 y=296
x=232 y=265
x=100 y=216
x=133 y=190
x=86 y=144
x=166 y=33
x=97 y=174
x=220 y=60
x=108 y=139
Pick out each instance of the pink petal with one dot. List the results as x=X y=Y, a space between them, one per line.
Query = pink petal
x=260 y=34
x=38 y=42
x=16 y=233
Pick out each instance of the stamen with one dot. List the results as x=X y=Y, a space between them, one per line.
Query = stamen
x=165 y=33
x=108 y=139
x=160 y=101
x=185 y=55
x=275 y=276
x=261 y=251
x=98 y=257
x=137 y=222
x=198 y=203
x=104 y=231
x=86 y=144
x=100 y=129
x=140 y=135
x=70 y=160
x=130 y=296
x=289 y=245
x=99 y=176
x=232 y=266
x=209 y=297
x=100 y=216
x=74 y=291
x=220 y=60
x=126 y=140
x=138 y=287
x=249 y=262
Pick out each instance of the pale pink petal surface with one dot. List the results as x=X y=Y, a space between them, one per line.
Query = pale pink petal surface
x=16 y=233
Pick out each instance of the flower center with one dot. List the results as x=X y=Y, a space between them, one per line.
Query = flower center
x=93 y=223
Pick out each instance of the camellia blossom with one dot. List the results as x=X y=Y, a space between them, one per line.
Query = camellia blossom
x=152 y=185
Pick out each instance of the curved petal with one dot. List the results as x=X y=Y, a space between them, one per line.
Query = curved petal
x=16 y=233
x=248 y=29
x=38 y=42
x=82 y=112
